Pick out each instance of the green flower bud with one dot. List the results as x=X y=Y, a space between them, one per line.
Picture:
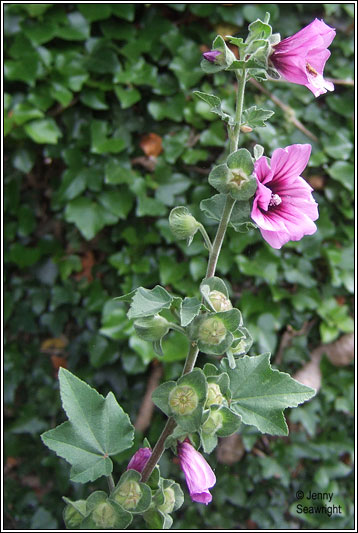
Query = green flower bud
x=212 y=331
x=213 y=423
x=169 y=501
x=104 y=516
x=182 y=223
x=151 y=328
x=72 y=517
x=128 y=494
x=183 y=400
x=219 y=301
x=214 y=396
x=238 y=347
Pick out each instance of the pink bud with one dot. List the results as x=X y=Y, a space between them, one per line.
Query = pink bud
x=212 y=55
x=139 y=459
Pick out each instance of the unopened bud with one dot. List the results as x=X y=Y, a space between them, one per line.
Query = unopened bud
x=212 y=56
x=151 y=328
x=169 y=501
x=183 y=400
x=219 y=301
x=213 y=423
x=212 y=331
x=245 y=129
x=128 y=494
x=104 y=516
x=182 y=223
x=214 y=396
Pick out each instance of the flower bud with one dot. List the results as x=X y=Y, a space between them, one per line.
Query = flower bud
x=238 y=348
x=128 y=494
x=212 y=55
x=245 y=129
x=104 y=516
x=151 y=328
x=212 y=331
x=213 y=423
x=182 y=223
x=183 y=400
x=219 y=301
x=169 y=501
x=214 y=396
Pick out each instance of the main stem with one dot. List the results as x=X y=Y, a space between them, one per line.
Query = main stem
x=213 y=259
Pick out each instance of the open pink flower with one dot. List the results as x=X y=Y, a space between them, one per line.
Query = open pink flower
x=302 y=57
x=139 y=459
x=283 y=207
x=198 y=474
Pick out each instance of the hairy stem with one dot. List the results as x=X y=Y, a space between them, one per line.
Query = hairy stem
x=158 y=449
x=110 y=482
x=235 y=134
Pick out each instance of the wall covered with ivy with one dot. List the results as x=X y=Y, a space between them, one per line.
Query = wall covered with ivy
x=103 y=138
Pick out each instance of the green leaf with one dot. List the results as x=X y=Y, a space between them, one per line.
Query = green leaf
x=343 y=172
x=88 y=216
x=214 y=103
x=43 y=131
x=147 y=302
x=260 y=394
x=76 y=29
x=97 y=428
x=189 y=310
x=256 y=117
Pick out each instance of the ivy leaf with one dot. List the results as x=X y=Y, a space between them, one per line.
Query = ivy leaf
x=97 y=428
x=147 y=302
x=256 y=117
x=260 y=394
x=189 y=310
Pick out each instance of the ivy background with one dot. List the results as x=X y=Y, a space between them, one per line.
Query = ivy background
x=103 y=138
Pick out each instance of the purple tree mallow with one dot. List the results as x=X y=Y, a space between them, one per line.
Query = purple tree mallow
x=139 y=459
x=212 y=55
x=283 y=206
x=301 y=58
x=198 y=474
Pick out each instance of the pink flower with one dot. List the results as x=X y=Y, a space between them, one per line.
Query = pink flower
x=139 y=459
x=302 y=57
x=198 y=474
x=283 y=207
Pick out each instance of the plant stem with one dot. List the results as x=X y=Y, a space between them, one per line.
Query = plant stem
x=158 y=449
x=206 y=237
x=235 y=136
x=110 y=482
x=214 y=252
x=219 y=238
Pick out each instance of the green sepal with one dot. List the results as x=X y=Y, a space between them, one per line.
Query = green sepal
x=208 y=442
x=195 y=379
x=74 y=513
x=160 y=396
x=103 y=513
x=242 y=342
x=131 y=494
x=231 y=421
x=157 y=347
x=258 y=151
x=213 y=208
x=159 y=497
x=223 y=61
x=189 y=309
x=213 y=284
x=223 y=381
x=155 y=519
x=151 y=328
x=154 y=478
x=258 y=30
x=235 y=176
x=216 y=349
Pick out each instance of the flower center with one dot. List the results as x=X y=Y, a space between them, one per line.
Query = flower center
x=275 y=200
x=311 y=70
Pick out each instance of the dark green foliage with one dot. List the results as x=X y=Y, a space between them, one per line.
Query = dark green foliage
x=86 y=218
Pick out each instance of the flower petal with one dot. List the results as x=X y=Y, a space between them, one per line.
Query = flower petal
x=288 y=163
